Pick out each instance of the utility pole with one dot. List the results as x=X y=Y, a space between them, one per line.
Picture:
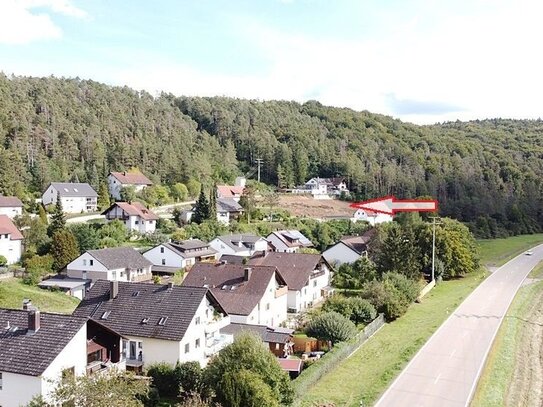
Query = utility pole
x=259 y=161
x=434 y=223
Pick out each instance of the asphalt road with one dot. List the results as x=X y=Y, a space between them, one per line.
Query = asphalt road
x=446 y=369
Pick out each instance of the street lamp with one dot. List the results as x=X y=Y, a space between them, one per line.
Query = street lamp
x=434 y=223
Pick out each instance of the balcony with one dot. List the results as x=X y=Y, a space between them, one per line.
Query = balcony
x=216 y=325
x=281 y=291
x=217 y=343
x=99 y=367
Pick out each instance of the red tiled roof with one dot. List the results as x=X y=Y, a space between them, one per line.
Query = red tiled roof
x=290 y=365
x=9 y=201
x=134 y=209
x=8 y=227
x=229 y=191
x=133 y=178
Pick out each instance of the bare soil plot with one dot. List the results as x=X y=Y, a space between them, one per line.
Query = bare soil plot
x=301 y=205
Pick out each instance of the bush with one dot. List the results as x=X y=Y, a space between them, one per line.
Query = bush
x=164 y=379
x=362 y=312
x=331 y=326
x=3 y=261
x=36 y=268
x=190 y=378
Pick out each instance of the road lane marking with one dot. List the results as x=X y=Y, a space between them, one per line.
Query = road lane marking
x=437 y=378
x=452 y=354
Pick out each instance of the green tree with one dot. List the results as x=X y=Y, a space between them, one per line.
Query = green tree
x=128 y=194
x=58 y=220
x=213 y=202
x=114 y=230
x=332 y=327
x=179 y=192
x=36 y=267
x=63 y=248
x=248 y=201
x=193 y=187
x=400 y=252
x=271 y=200
x=103 y=197
x=201 y=209
x=354 y=275
x=266 y=382
x=86 y=235
x=42 y=215
x=3 y=261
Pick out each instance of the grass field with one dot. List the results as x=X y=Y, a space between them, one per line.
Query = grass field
x=495 y=252
x=513 y=373
x=13 y=291
x=364 y=376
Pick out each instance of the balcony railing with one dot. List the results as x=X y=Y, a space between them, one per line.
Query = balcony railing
x=216 y=325
x=217 y=343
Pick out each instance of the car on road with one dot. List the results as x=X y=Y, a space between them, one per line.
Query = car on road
x=529 y=252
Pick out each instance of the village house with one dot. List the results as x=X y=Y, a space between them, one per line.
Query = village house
x=119 y=180
x=37 y=350
x=323 y=188
x=227 y=209
x=115 y=263
x=232 y=191
x=288 y=241
x=75 y=287
x=11 y=240
x=373 y=218
x=249 y=294
x=170 y=257
x=349 y=249
x=11 y=206
x=159 y=323
x=135 y=216
x=75 y=197
x=307 y=276
x=244 y=245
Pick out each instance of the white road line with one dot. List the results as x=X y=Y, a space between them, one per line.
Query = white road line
x=437 y=378
x=452 y=354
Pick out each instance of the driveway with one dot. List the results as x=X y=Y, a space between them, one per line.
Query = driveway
x=445 y=371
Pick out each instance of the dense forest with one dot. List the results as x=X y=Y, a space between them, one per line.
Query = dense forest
x=488 y=173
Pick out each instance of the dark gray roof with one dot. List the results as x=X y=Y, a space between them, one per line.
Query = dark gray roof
x=267 y=333
x=32 y=354
x=227 y=283
x=178 y=304
x=74 y=189
x=228 y=205
x=191 y=248
x=245 y=239
x=120 y=257
x=64 y=282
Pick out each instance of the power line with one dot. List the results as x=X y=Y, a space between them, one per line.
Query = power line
x=259 y=162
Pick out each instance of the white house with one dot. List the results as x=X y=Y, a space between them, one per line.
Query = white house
x=244 y=245
x=75 y=197
x=227 y=209
x=307 y=276
x=249 y=294
x=136 y=217
x=349 y=249
x=176 y=255
x=323 y=188
x=118 y=180
x=288 y=241
x=115 y=263
x=11 y=206
x=11 y=240
x=160 y=323
x=373 y=218
x=38 y=349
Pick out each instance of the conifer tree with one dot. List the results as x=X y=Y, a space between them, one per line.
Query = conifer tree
x=42 y=215
x=58 y=220
x=213 y=202
x=103 y=197
x=64 y=248
x=201 y=209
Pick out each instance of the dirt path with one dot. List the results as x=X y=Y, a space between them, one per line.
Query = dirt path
x=526 y=385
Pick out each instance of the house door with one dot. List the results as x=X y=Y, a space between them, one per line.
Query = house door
x=133 y=349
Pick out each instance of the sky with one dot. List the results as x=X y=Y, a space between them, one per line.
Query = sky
x=422 y=61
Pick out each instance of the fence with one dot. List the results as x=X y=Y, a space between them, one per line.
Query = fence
x=330 y=360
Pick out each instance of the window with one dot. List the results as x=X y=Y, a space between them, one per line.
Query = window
x=276 y=346
x=84 y=262
x=268 y=306
x=197 y=321
x=163 y=262
x=137 y=222
x=114 y=275
x=91 y=262
x=140 y=345
x=162 y=250
x=0 y=381
x=187 y=348
x=105 y=315
x=315 y=283
x=197 y=344
x=162 y=321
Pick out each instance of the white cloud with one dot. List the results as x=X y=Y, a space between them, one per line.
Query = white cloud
x=20 y=24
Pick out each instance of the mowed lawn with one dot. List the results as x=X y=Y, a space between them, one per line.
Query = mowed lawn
x=496 y=252
x=13 y=291
x=513 y=373
x=368 y=372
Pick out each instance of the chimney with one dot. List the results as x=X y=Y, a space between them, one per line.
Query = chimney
x=170 y=285
x=33 y=321
x=247 y=273
x=27 y=304
x=113 y=289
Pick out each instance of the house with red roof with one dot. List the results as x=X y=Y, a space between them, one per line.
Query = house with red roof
x=134 y=215
x=119 y=180
x=232 y=191
x=11 y=240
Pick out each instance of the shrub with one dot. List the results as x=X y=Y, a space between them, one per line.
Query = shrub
x=164 y=379
x=3 y=261
x=332 y=327
x=190 y=377
x=361 y=310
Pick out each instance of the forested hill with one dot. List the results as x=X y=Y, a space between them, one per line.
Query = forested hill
x=488 y=173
